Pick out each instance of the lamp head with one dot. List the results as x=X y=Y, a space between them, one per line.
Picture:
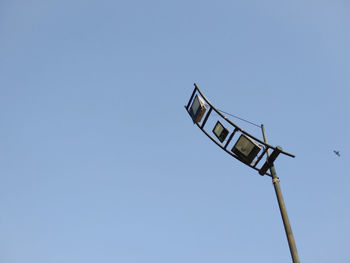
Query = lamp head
x=220 y=131
x=197 y=109
x=246 y=149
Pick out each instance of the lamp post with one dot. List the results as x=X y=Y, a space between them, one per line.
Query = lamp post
x=282 y=206
x=247 y=149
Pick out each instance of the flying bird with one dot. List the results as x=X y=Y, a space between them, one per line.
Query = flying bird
x=337 y=153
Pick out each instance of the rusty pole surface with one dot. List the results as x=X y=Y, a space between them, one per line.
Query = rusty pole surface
x=283 y=210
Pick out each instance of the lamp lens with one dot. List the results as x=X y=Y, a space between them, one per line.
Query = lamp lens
x=245 y=146
x=195 y=106
x=220 y=131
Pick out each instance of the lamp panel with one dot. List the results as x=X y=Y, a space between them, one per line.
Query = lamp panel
x=246 y=149
x=197 y=109
x=220 y=131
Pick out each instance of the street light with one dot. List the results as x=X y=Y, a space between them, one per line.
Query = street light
x=247 y=149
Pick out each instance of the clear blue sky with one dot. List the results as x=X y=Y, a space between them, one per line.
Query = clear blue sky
x=99 y=161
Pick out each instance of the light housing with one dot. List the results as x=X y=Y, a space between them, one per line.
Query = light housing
x=246 y=149
x=220 y=131
x=197 y=109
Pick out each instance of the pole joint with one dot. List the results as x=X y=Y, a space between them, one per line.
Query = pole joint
x=275 y=180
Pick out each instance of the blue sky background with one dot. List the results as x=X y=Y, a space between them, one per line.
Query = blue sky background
x=100 y=162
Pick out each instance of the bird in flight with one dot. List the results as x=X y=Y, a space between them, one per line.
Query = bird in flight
x=337 y=153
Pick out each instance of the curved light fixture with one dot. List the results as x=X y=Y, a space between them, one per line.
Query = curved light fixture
x=247 y=148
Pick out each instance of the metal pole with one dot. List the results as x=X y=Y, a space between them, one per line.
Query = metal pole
x=282 y=206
